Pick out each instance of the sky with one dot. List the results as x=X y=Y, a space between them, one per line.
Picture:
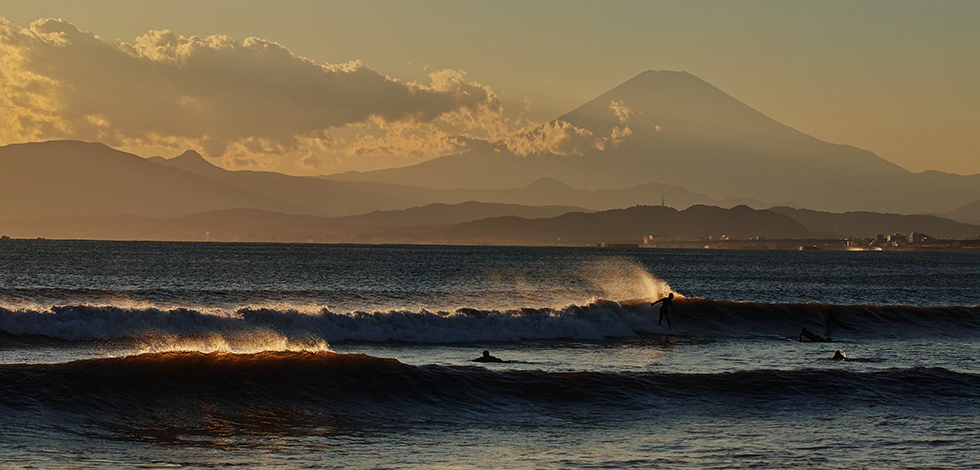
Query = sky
x=319 y=87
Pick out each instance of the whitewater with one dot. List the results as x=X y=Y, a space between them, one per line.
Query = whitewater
x=203 y=355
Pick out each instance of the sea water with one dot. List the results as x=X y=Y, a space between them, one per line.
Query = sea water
x=203 y=355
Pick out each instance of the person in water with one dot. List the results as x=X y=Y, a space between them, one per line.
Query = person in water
x=812 y=337
x=833 y=320
x=666 y=306
x=486 y=357
x=839 y=355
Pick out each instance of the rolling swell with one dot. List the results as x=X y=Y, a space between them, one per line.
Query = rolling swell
x=856 y=320
x=189 y=388
x=597 y=320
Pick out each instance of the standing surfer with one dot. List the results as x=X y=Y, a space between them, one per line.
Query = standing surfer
x=666 y=306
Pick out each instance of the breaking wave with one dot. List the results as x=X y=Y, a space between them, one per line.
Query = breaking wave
x=292 y=329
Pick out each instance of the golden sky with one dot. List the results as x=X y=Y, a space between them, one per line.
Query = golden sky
x=314 y=87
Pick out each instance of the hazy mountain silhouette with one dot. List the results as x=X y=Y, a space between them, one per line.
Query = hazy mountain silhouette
x=969 y=213
x=307 y=194
x=691 y=144
x=628 y=225
x=572 y=228
x=551 y=192
x=192 y=162
x=867 y=224
x=688 y=133
x=259 y=225
x=440 y=214
x=77 y=178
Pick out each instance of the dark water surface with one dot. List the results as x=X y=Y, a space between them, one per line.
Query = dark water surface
x=203 y=355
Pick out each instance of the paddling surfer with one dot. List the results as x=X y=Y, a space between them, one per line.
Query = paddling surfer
x=486 y=357
x=666 y=306
x=833 y=320
x=812 y=337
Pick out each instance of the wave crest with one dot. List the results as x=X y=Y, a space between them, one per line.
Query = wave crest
x=251 y=329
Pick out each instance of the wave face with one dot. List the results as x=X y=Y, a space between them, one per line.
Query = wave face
x=186 y=385
x=597 y=320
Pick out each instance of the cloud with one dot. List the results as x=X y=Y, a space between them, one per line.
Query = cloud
x=557 y=137
x=616 y=136
x=214 y=93
x=251 y=103
x=310 y=161
x=418 y=140
x=621 y=111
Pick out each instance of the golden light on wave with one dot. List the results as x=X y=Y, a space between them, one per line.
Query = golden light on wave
x=236 y=343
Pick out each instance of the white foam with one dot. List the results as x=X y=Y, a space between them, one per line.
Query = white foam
x=217 y=330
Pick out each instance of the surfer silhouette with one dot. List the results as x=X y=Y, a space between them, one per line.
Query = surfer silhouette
x=812 y=337
x=486 y=357
x=833 y=320
x=839 y=355
x=666 y=306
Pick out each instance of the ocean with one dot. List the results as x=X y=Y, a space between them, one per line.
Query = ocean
x=215 y=355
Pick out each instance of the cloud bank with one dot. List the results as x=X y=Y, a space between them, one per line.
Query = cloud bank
x=240 y=100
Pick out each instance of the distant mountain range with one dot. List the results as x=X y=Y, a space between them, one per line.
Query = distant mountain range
x=78 y=178
x=868 y=224
x=689 y=146
x=688 y=133
x=464 y=224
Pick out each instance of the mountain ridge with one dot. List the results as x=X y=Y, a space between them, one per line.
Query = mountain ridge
x=692 y=144
x=686 y=132
x=628 y=225
x=94 y=179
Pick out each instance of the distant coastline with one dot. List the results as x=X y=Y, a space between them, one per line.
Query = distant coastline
x=740 y=227
x=963 y=246
x=967 y=245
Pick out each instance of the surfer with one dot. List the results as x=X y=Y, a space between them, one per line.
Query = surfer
x=832 y=320
x=839 y=355
x=666 y=306
x=486 y=357
x=812 y=337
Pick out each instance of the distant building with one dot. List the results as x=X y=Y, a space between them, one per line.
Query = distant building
x=896 y=238
x=916 y=237
x=880 y=238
